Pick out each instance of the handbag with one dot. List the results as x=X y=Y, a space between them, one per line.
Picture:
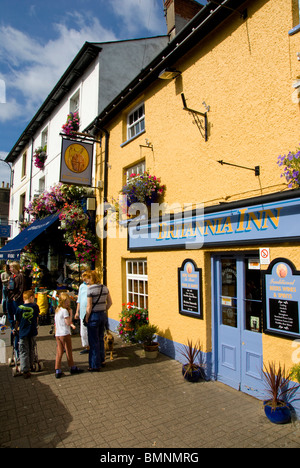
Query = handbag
x=85 y=322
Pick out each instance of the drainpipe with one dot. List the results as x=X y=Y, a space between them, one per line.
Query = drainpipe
x=105 y=191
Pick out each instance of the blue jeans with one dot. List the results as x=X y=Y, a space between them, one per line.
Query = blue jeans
x=96 y=326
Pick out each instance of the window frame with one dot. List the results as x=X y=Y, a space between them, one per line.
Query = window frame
x=140 y=296
x=136 y=122
x=138 y=168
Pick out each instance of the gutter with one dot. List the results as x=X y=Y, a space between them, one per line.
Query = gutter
x=208 y=18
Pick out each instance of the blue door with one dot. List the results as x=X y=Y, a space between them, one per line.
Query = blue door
x=238 y=322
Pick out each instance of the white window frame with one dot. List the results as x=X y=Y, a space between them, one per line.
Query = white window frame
x=136 y=121
x=75 y=102
x=138 y=168
x=44 y=137
x=299 y=10
x=137 y=282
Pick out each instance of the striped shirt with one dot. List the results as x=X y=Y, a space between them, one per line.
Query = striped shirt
x=93 y=291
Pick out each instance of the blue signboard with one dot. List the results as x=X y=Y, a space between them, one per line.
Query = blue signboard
x=281 y=299
x=265 y=222
x=190 y=289
x=4 y=230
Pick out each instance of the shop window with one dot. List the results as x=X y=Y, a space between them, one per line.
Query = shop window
x=136 y=169
x=137 y=282
x=136 y=121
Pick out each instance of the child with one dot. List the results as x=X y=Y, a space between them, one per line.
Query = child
x=63 y=323
x=27 y=317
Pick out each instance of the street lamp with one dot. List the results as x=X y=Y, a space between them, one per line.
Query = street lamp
x=11 y=172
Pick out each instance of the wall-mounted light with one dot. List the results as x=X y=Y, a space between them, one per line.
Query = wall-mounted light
x=169 y=74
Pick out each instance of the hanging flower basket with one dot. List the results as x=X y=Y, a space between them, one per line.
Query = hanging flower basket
x=40 y=156
x=291 y=167
x=143 y=188
x=72 y=124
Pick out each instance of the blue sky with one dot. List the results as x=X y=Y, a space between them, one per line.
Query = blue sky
x=39 y=39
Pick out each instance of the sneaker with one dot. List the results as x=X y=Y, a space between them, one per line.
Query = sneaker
x=58 y=374
x=76 y=370
x=84 y=351
x=26 y=375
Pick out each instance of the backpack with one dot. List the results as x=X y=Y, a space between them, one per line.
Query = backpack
x=11 y=284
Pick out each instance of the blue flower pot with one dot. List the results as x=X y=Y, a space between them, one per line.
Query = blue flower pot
x=278 y=414
x=194 y=375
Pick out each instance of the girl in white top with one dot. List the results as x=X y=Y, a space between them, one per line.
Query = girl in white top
x=63 y=324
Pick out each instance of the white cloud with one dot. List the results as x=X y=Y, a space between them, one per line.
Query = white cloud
x=34 y=68
x=137 y=14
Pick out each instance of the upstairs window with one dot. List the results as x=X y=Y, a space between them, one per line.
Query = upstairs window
x=74 y=102
x=44 y=139
x=24 y=164
x=136 y=169
x=136 y=122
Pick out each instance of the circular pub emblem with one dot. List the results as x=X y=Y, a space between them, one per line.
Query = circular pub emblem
x=77 y=158
x=282 y=270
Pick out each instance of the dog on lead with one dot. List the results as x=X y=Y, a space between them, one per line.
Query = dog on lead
x=109 y=344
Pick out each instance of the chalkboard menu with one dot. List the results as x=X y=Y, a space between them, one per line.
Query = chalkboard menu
x=281 y=299
x=190 y=289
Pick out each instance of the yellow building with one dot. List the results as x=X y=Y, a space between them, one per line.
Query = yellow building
x=209 y=117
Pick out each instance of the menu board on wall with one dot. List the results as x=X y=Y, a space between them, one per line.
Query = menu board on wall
x=190 y=289
x=282 y=299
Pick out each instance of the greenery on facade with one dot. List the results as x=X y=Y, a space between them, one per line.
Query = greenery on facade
x=291 y=167
x=131 y=318
x=40 y=156
x=66 y=199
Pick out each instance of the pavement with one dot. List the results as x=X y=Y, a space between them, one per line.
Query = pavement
x=132 y=403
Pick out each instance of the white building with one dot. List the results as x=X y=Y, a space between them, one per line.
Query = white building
x=97 y=74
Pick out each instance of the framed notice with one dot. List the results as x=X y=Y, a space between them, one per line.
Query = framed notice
x=190 y=289
x=281 y=287
x=76 y=162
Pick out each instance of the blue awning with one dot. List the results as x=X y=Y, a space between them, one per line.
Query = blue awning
x=13 y=249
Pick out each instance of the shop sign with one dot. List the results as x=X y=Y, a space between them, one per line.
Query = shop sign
x=4 y=230
x=281 y=284
x=268 y=222
x=76 y=162
x=190 y=289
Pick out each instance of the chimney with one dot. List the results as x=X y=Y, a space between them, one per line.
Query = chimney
x=178 y=13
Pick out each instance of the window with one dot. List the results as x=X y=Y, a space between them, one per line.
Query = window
x=24 y=164
x=42 y=184
x=136 y=122
x=74 y=102
x=137 y=282
x=44 y=139
x=138 y=168
x=22 y=207
x=299 y=9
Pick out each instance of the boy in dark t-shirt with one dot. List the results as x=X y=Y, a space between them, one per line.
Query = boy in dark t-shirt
x=27 y=316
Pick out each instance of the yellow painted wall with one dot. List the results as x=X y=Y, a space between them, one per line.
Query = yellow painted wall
x=244 y=71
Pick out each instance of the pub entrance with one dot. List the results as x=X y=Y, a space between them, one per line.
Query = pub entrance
x=237 y=330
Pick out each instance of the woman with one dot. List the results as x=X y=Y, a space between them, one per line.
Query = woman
x=98 y=302
x=4 y=279
x=81 y=311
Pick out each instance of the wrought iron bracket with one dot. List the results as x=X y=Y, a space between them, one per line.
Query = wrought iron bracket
x=201 y=123
x=256 y=170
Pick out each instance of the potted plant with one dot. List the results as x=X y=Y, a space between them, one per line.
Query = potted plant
x=146 y=334
x=131 y=318
x=192 y=370
x=142 y=189
x=277 y=408
x=40 y=156
x=72 y=124
x=295 y=372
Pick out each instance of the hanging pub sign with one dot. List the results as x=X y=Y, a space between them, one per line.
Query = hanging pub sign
x=281 y=284
x=76 y=162
x=190 y=289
